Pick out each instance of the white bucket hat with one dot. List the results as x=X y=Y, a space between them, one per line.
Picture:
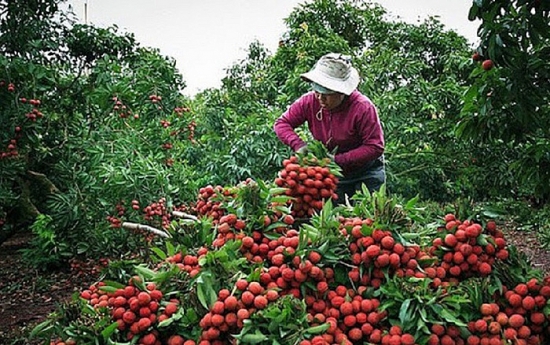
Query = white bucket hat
x=335 y=73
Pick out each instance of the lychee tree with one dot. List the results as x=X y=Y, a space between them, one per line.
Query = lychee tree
x=86 y=110
x=506 y=107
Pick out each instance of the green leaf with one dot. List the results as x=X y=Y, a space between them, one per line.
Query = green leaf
x=115 y=284
x=205 y=291
x=277 y=190
x=159 y=252
x=404 y=314
x=170 y=249
x=255 y=338
x=472 y=14
x=107 y=332
x=498 y=41
x=450 y=317
x=42 y=327
x=318 y=329
x=280 y=199
x=109 y=289
x=482 y=240
x=145 y=272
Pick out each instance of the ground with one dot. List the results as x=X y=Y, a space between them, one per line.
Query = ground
x=27 y=295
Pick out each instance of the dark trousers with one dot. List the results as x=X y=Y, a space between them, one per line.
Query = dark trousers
x=373 y=180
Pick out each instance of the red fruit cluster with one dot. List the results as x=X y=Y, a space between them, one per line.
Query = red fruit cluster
x=352 y=318
x=181 y=110
x=228 y=226
x=254 y=247
x=116 y=221
x=158 y=210
x=486 y=64
x=121 y=109
x=136 y=312
x=289 y=272
x=135 y=204
x=522 y=324
x=460 y=253
x=207 y=205
x=211 y=199
x=445 y=335
x=34 y=114
x=308 y=182
x=524 y=306
x=191 y=127
x=227 y=314
x=380 y=253
x=188 y=263
x=155 y=98
x=11 y=150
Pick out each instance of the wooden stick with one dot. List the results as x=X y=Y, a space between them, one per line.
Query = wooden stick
x=180 y=214
x=136 y=226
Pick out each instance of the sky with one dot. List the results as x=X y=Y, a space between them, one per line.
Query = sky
x=205 y=37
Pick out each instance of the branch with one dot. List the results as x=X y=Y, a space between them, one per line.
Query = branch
x=141 y=227
x=43 y=180
x=180 y=214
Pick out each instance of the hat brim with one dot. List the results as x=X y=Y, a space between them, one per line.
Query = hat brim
x=334 y=85
x=321 y=89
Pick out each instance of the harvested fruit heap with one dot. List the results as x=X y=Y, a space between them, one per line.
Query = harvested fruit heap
x=246 y=273
x=309 y=181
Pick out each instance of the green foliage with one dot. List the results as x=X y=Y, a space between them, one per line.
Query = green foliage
x=235 y=143
x=415 y=75
x=85 y=142
x=416 y=306
x=48 y=250
x=506 y=107
x=283 y=322
x=91 y=43
x=97 y=327
x=31 y=28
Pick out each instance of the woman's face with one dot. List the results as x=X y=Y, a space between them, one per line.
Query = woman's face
x=329 y=101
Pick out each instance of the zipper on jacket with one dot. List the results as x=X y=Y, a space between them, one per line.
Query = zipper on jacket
x=329 y=128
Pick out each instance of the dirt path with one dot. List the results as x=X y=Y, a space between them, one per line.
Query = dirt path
x=27 y=295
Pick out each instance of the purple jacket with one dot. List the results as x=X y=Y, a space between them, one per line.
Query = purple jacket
x=353 y=127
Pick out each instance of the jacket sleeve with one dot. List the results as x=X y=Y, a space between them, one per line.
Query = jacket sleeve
x=294 y=117
x=372 y=141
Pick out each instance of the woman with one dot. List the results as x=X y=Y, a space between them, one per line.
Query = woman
x=341 y=118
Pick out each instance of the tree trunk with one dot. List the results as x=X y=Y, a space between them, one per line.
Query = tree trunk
x=24 y=212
